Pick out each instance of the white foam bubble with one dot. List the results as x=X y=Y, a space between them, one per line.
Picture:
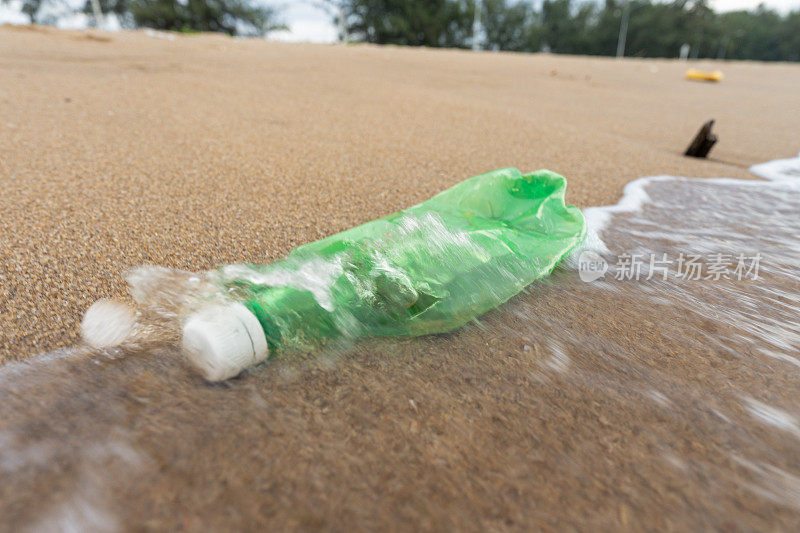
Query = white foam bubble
x=635 y=198
x=778 y=170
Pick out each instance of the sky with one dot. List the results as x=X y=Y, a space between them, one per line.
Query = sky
x=312 y=24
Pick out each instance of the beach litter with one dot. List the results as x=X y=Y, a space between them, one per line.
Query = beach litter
x=427 y=269
x=694 y=74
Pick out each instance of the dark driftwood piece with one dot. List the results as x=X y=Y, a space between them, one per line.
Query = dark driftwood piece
x=702 y=142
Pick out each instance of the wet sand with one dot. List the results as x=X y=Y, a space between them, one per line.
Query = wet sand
x=123 y=149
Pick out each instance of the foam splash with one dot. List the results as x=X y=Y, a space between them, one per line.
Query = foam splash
x=779 y=169
x=635 y=197
x=753 y=320
x=635 y=194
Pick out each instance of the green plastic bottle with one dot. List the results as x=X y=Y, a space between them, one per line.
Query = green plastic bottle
x=427 y=269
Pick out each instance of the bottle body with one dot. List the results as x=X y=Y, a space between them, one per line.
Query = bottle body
x=428 y=269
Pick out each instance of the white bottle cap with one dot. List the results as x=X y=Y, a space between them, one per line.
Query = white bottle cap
x=222 y=340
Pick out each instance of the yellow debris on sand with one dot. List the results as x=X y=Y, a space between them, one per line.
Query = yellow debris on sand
x=702 y=75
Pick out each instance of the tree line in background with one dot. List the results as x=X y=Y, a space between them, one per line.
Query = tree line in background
x=234 y=17
x=654 y=29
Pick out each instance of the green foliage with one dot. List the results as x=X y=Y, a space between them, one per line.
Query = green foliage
x=411 y=22
x=656 y=29
x=762 y=34
x=121 y=8
x=659 y=30
x=789 y=37
x=567 y=26
x=510 y=26
x=29 y=8
x=234 y=17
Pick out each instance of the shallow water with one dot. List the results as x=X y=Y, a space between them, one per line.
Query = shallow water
x=659 y=394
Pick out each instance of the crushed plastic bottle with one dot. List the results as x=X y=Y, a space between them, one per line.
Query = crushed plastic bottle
x=427 y=269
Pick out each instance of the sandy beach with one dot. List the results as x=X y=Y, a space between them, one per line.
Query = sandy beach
x=124 y=149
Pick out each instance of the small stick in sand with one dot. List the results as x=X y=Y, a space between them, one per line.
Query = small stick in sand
x=703 y=141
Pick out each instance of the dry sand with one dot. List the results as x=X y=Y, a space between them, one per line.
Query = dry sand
x=122 y=149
